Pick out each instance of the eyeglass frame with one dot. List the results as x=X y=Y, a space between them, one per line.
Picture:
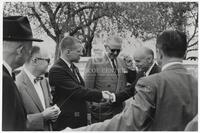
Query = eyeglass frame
x=113 y=50
x=47 y=60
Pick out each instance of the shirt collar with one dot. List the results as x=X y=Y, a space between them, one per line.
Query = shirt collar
x=30 y=76
x=149 y=70
x=7 y=67
x=69 y=64
x=170 y=64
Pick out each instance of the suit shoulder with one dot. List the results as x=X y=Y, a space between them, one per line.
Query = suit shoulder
x=151 y=80
x=56 y=66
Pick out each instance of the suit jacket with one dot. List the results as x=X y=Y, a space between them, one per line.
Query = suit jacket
x=165 y=101
x=130 y=91
x=71 y=96
x=13 y=113
x=32 y=103
x=99 y=75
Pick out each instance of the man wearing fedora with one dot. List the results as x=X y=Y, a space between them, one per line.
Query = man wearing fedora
x=107 y=73
x=17 y=41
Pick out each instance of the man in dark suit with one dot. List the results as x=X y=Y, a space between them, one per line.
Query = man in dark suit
x=144 y=61
x=17 y=41
x=70 y=94
x=165 y=101
x=35 y=91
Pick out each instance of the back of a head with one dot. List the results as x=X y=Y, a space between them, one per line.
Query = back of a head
x=173 y=43
x=68 y=42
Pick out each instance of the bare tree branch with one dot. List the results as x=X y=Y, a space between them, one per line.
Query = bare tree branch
x=193 y=44
x=195 y=30
x=52 y=17
x=87 y=24
x=194 y=49
x=57 y=9
x=42 y=24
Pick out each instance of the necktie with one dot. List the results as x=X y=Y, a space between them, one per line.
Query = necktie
x=74 y=70
x=13 y=75
x=38 y=79
x=114 y=66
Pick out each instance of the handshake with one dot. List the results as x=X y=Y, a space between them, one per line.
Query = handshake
x=108 y=96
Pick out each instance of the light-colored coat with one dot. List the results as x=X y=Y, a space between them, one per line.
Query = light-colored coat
x=100 y=75
x=166 y=101
x=32 y=103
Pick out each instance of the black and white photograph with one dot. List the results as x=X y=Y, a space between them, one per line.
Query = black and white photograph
x=99 y=65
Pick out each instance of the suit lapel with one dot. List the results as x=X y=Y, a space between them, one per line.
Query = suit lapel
x=79 y=76
x=31 y=91
x=68 y=70
x=109 y=66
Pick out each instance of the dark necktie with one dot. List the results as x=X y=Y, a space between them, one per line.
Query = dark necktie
x=114 y=66
x=74 y=71
x=13 y=76
x=38 y=79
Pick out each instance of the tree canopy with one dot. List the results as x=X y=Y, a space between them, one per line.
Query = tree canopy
x=85 y=19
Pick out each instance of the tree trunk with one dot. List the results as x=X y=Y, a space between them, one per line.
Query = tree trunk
x=88 y=47
x=57 y=50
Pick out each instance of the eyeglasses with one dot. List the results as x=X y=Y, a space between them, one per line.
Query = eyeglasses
x=47 y=60
x=115 y=50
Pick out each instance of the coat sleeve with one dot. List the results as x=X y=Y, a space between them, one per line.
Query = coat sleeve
x=59 y=78
x=8 y=110
x=136 y=117
x=90 y=74
x=35 y=121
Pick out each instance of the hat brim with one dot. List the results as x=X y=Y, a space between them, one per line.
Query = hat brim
x=22 y=39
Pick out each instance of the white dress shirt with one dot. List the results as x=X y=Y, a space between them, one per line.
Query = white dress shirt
x=37 y=87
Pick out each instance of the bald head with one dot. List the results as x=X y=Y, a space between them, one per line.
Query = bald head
x=144 y=58
x=143 y=52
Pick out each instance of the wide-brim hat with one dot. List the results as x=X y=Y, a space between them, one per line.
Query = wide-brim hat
x=17 y=28
x=114 y=42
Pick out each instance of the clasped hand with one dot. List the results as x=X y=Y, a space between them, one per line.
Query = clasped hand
x=51 y=113
x=108 y=96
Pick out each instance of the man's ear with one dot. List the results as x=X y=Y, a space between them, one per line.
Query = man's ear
x=19 y=49
x=160 y=53
x=67 y=51
x=149 y=58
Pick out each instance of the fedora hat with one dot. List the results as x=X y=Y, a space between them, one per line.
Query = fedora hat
x=114 y=42
x=17 y=28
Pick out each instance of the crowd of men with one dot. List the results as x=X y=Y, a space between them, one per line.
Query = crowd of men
x=163 y=94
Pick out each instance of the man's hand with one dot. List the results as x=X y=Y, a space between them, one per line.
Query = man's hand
x=51 y=113
x=108 y=96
